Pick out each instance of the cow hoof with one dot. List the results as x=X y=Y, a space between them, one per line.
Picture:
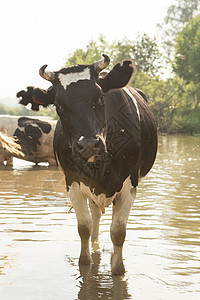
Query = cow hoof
x=85 y=260
x=118 y=270
x=117 y=266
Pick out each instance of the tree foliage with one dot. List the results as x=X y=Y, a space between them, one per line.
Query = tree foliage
x=187 y=52
x=144 y=52
x=178 y=14
x=92 y=53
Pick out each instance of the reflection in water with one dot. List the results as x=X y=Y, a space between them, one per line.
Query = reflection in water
x=39 y=243
x=171 y=211
x=95 y=284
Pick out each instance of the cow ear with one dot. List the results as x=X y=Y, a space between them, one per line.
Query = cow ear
x=118 y=77
x=36 y=97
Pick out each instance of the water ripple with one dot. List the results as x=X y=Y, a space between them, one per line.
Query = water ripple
x=39 y=243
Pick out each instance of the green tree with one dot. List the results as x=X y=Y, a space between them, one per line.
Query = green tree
x=187 y=52
x=186 y=64
x=144 y=52
x=178 y=14
x=93 y=52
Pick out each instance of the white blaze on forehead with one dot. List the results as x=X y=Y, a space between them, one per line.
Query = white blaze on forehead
x=67 y=79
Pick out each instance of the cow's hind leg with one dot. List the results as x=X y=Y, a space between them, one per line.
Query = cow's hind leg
x=121 y=209
x=84 y=220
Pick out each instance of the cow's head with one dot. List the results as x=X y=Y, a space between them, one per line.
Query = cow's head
x=79 y=99
x=78 y=103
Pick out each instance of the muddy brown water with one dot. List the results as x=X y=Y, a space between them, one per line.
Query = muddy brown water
x=39 y=243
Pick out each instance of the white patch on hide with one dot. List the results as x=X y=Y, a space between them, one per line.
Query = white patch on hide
x=134 y=101
x=81 y=138
x=67 y=79
x=101 y=200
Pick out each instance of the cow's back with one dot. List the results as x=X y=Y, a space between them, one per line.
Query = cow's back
x=148 y=130
x=133 y=119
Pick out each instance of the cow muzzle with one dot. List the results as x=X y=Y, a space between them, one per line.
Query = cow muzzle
x=89 y=148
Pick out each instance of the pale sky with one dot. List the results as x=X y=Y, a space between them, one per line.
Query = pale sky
x=34 y=33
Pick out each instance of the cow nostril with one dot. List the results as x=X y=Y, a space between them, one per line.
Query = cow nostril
x=88 y=147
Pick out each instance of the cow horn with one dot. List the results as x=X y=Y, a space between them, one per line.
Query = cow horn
x=102 y=63
x=50 y=76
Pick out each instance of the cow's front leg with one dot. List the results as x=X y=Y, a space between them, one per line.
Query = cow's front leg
x=96 y=215
x=84 y=220
x=121 y=209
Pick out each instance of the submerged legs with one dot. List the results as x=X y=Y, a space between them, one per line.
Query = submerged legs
x=121 y=210
x=88 y=225
x=84 y=220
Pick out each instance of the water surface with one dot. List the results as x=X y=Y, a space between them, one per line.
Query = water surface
x=39 y=243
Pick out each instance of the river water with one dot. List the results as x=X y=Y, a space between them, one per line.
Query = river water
x=39 y=243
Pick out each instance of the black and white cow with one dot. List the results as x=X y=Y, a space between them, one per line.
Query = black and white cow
x=104 y=142
x=35 y=136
